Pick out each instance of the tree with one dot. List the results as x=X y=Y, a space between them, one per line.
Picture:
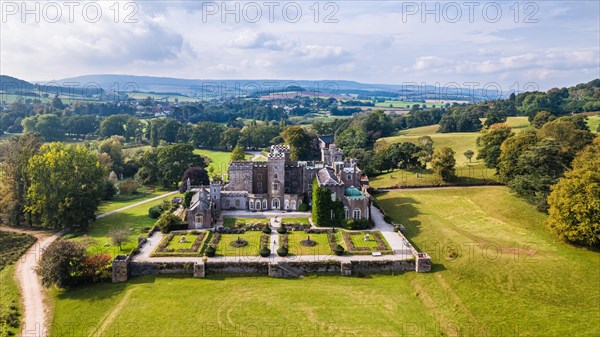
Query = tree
x=469 y=154
x=443 y=164
x=197 y=176
x=571 y=137
x=173 y=160
x=542 y=118
x=67 y=185
x=48 y=126
x=494 y=117
x=574 y=203
x=537 y=169
x=166 y=220
x=119 y=237
x=114 y=149
x=79 y=126
x=489 y=142
x=61 y=263
x=238 y=154
x=511 y=150
x=57 y=103
x=303 y=144
x=14 y=159
x=120 y=125
x=426 y=146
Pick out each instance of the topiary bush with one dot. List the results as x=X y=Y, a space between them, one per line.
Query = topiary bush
x=265 y=252
x=282 y=251
x=154 y=212
x=210 y=251
x=303 y=208
x=281 y=230
x=339 y=250
x=267 y=230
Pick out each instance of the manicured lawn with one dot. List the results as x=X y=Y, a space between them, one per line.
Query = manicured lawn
x=120 y=201
x=135 y=217
x=376 y=243
x=224 y=247
x=295 y=221
x=374 y=306
x=232 y=222
x=296 y=248
x=176 y=244
x=495 y=265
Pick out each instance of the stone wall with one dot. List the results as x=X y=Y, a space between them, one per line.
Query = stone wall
x=246 y=267
x=152 y=268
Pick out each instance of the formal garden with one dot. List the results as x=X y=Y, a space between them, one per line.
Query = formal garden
x=182 y=243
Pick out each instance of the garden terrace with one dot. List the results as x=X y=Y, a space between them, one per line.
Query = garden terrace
x=224 y=244
x=181 y=244
x=356 y=244
x=294 y=221
x=295 y=246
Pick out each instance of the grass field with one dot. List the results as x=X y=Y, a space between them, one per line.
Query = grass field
x=495 y=264
x=120 y=201
x=218 y=159
x=224 y=247
x=240 y=306
x=476 y=174
x=458 y=141
x=593 y=122
x=296 y=248
x=12 y=246
x=97 y=234
x=10 y=299
x=161 y=96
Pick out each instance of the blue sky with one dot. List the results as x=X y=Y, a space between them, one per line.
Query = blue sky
x=540 y=44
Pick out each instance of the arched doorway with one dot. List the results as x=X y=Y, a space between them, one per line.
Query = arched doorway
x=275 y=203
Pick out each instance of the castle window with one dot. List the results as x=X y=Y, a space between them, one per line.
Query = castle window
x=199 y=219
x=265 y=204
x=275 y=176
x=348 y=176
x=275 y=187
x=356 y=213
x=366 y=213
x=333 y=196
x=259 y=176
x=331 y=214
x=237 y=203
x=346 y=212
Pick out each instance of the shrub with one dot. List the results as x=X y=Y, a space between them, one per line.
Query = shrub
x=61 y=262
x=388 y=219
x=109 y=191
x=187 y=199
x=339 y=250
x=282 y=251
x=356 y=224
x=267 y=230
x=303 y=208
x=154 y=212
x=265 y=252
x=166 y=221
x=281 y=230
x=129 y=187
x=211 y=251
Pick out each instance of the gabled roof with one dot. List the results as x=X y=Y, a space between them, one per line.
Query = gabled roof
x=326 y=177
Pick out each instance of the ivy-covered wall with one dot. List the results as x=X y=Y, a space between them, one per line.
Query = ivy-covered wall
x=322 y=205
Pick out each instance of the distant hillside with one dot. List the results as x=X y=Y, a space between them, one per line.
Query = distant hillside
x=12 y=85
x=205 y=88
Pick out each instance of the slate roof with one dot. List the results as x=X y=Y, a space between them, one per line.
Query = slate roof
x=326 y=177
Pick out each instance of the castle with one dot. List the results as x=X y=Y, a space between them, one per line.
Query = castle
x=282 y=184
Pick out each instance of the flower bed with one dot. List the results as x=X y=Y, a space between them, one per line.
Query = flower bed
x=356 y=244
x=283 y=241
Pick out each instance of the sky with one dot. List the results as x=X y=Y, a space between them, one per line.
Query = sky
x=522 y=45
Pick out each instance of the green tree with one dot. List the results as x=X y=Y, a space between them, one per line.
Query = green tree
x=303 y=144
x=574 y=212
x=511 y=150
x=114 y=149
x=14 y=159
x=469 y=154
x=173 y=160
x=166 y=221
x=79 y=126
x=118 y=237
x=489 y=142
x=61 y=263
x=67 y=185
x=120 y=125
x=48 y=126
x=238 y=154
x=494 y=117
x=426 y=146
x=197 y=176
x=571 y=137
x=443 y=164
x=542 y=118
